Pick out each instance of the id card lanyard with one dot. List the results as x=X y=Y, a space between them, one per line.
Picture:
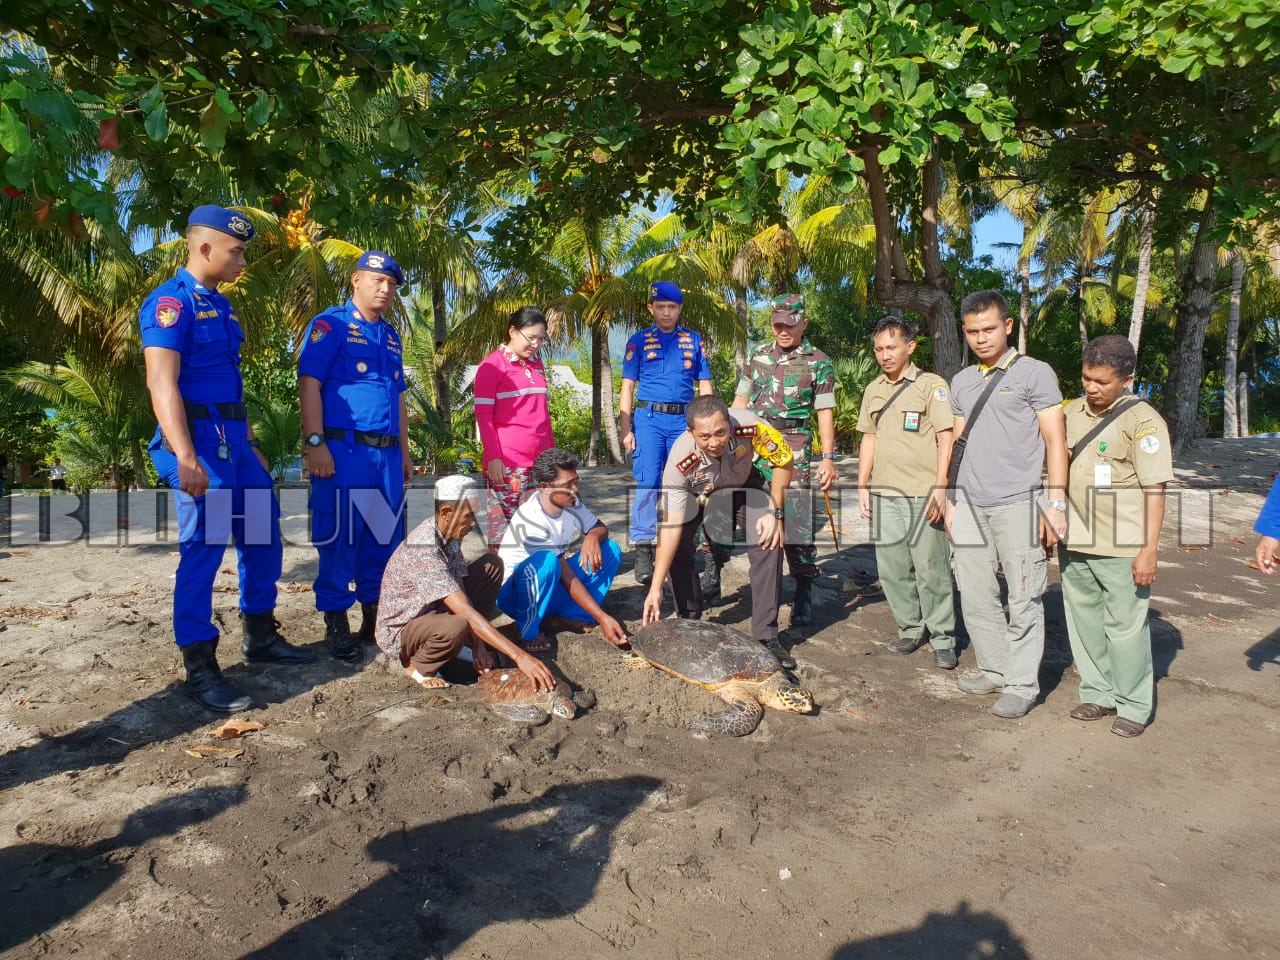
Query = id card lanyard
x=224 y=448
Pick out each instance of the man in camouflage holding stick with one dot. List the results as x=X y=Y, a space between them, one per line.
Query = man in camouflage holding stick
x=785 y=382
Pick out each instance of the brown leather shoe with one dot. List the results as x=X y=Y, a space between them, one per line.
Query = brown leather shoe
x=1127 y=728
x=1092 y=711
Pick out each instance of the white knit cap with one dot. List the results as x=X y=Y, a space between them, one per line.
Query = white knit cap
x=452 y=488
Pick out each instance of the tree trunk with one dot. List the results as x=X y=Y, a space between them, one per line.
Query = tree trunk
x=744 y=317
x=598 y=345
x=1243 y=401
x=1024 y=305
x=1230 y=412
x=1147 y=230
x=1195 y=305
x=895 y=284
x=439 y=334
x=1084 y=320
x=603 y=372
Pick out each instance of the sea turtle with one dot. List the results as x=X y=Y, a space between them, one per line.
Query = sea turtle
x=742 y=671
x=511 y=694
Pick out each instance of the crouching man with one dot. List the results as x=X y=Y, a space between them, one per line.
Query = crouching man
x=433 y=602
x=542 y=578
x=718 y=453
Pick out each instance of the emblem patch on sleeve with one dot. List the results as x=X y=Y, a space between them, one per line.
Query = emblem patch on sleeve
x=168 y=310
x=688 y=463
x=940 y=392
x=1149 y=444
x=319 y=330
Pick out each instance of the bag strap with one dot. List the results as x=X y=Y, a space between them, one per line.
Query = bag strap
x=1105 y=422
x=875 y=417
x=982 y=400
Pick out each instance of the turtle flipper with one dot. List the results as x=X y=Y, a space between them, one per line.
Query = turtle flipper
x=520 y=713
x=741 y=718
x=633 y=661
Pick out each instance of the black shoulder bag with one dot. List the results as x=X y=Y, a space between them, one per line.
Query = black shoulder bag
x=962 y=441
x=875 y=417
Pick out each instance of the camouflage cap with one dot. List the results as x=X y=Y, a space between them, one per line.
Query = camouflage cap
x=788 y=310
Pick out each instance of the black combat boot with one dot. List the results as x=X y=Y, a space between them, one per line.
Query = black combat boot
x=802 y=603
x=644 y=563
x=337 y=636
x=263 y=643
x=205 y=682
x=710 y=582
x=368 y=622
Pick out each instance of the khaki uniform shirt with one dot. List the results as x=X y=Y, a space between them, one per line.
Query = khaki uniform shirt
x=906 y=461
x=690 y=475
x=1106 y=505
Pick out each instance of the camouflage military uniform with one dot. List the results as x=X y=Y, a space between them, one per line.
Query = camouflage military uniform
x=783 y=388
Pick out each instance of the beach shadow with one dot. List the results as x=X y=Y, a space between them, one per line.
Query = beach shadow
x=1166 y=642
x=961 y=935
x=47 y=884
x=1266 y=650
x=520 y=863
x=161 y=716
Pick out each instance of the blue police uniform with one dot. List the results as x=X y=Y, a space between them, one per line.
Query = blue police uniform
x=666 y=367
x=199 y=323
x=357 y=519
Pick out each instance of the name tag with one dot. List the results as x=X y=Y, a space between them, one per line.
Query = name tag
x=1102 y=474
x=911 y=421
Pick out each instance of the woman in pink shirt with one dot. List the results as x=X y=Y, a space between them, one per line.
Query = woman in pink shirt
x=511 y=410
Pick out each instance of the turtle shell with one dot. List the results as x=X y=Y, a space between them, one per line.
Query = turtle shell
x=707 y=654
x=511 y=687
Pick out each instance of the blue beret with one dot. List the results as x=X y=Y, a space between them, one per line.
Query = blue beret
x=665 y=290
x=375 y=261
x=223 y=220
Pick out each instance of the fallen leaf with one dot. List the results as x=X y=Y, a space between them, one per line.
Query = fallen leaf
x=235 y=728
x=1236 y=540
x=1254 y=564
x=192 y=753
x=297 y=588
x=226 y=588
x=4 y=579
x=204 y=751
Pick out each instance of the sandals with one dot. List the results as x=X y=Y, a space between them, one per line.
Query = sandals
x=539 y=644
x=428 y=681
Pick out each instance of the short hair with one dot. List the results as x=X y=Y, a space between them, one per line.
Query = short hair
x=981 y=300
x=1111 y=351
x=700 y=408
x=527 y=317
x=906 y=329
x=548 y=464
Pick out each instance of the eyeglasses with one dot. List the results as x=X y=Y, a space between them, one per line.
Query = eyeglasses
x=534 y=342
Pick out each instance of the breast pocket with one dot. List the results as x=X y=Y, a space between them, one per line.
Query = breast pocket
x=362 y=362
x=213 y=343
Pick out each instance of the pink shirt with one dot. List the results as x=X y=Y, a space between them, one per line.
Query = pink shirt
x=511 y=408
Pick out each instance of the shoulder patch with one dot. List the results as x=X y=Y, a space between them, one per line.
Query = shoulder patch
x=319 y=330
x=168 y=311
x=744 y=430
x=1150 y=443
x=1149 y=431
x=688 y=463
x=940 y=391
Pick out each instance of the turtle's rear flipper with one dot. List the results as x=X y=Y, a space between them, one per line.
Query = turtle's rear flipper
x=520 y=713
x=741 y=718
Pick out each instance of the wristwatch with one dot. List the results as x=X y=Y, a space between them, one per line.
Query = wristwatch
x=828 y=456
x=1059 y=505
x=779 y=514
x=255 y=444
x=315 y=439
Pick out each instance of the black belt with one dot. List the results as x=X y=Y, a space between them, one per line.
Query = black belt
x=661 y=407
x=227 y=411
x=368 y=439
x=784 y=422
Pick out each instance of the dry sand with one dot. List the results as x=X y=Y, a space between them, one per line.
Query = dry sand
x=371 y=820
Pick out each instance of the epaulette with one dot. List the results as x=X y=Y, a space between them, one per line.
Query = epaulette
x=744 y=430
x=688 y=463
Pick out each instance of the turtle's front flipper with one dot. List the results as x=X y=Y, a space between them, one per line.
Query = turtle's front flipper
x=741 y=718
x=633 y=661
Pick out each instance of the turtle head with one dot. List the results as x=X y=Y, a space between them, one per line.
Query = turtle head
x=786 y=695
x=564 y=707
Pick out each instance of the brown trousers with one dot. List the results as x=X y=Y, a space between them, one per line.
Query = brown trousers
x=766 y=573
x=431 y=640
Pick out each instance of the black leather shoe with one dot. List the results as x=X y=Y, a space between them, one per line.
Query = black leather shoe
x=784 y=656
x=710 y=582
x=946 y=659
x=263 y=643
x=337 y=637
x=644 y=563
x=906 y=646
x=368 y=622
x=205 y=683
x=802 y=603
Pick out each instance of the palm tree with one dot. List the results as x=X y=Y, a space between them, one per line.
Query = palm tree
x=591 y=280
x=1024 y=199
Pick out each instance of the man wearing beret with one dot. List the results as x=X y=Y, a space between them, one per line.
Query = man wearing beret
x=785 y=383
x=659 y=369
x=351 y=388
x=205 y=450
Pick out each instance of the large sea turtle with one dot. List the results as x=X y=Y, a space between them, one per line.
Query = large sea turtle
x=740 y=670
x=511 y=694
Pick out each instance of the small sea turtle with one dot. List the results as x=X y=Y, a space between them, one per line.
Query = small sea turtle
x=740 y=670
x=511 y=694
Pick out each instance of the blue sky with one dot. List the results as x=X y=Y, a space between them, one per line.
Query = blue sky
x=999 y=226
